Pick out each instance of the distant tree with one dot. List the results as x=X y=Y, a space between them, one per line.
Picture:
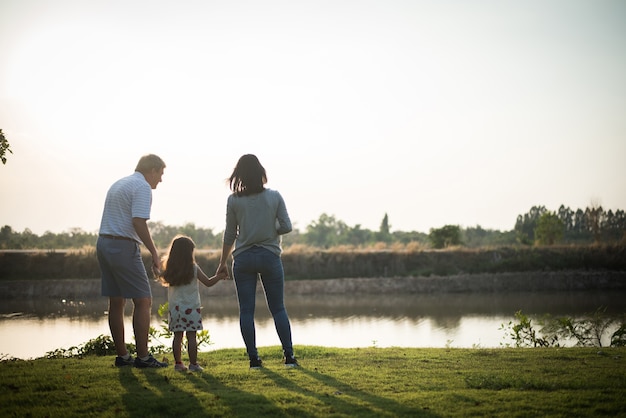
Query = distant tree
x=325 y=232
x=6 y=235
x=357 y=236
x=475 y=236
x=403 y=237
x=595 y=216
x=4 y=147
x=573 y=225
x=445 y=237
x=384 y=225
x=566 y=215
x=526 y=224
x=292 y=238
x=578 y=232
x=549 y=229
x=615 y=226
x=162 y=235
x=383 y=232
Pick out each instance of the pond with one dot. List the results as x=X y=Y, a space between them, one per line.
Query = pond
x=31 y=328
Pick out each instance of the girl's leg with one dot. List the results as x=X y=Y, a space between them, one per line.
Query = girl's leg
x=245 y=277
x=273 y=279
x=192 y=347
x=177 y=344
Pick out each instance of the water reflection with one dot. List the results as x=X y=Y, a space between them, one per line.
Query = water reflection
x=430 y=320
x=443 y=305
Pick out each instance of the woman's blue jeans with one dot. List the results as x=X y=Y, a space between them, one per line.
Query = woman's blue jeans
x=247 y=267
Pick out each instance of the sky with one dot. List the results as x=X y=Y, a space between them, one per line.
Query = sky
x=432 y=112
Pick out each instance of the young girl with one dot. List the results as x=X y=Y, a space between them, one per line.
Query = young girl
x=181 y=274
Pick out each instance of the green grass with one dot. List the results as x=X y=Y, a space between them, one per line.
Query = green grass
x=369 y=382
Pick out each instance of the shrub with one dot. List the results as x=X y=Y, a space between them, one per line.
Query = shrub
x=588 y=331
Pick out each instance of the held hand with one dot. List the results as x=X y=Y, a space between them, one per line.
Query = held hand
x=156 y=266
x=222 y=272
x=156 y=271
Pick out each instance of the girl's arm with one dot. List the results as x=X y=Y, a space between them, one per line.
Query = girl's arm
x=210 y=281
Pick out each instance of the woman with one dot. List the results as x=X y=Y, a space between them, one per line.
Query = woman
x=256 y=217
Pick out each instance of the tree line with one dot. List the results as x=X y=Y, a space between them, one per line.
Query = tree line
x=592 y=225
x=538 y=226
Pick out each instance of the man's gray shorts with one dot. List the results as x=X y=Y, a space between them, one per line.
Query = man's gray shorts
x=123 y=272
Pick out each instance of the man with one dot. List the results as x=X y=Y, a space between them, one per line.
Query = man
x=122 y=229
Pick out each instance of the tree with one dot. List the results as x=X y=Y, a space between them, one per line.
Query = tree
x=549 y=229
x=525 y=225
x=615 y=225
x=566 y=215
x=445 y=237
x=383 y=233
x=475 y=236
x=6 y=234
x=579 y=231
x=404 y=237
x=595 y=217
x=357 y=236
x=325 y=232
x=4 y=147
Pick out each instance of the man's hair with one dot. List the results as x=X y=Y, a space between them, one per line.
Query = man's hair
x=149 y=162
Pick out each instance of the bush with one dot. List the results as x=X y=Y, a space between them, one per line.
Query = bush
x=100 y=346
x=589 y=331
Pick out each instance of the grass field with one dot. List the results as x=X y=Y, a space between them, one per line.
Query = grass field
x=371 y=382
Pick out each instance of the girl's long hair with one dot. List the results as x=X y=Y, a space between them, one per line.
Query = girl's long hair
x=179 y=262
x=248 y=177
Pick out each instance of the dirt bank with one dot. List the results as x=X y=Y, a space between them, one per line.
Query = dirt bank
x=502 y=282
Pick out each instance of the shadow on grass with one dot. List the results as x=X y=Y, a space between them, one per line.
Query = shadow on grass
x=153 y=394
x=150 y=393
x=234 y=401
x=341 y=398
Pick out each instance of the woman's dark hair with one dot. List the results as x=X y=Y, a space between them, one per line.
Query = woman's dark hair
x=179 y=263
x=248 y=176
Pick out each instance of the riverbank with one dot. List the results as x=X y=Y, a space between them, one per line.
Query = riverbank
x=311 y=264
x=74 y=289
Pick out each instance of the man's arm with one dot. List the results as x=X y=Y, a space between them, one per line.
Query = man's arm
x=141 y=226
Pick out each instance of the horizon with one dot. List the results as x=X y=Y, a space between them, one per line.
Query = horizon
x=303 y=231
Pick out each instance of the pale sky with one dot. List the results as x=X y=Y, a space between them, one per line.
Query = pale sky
x=434 y=112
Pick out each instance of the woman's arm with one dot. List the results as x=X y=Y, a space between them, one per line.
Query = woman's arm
x=209 y=281
x=221 y=268
x=282 y=217
x=230 y=235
